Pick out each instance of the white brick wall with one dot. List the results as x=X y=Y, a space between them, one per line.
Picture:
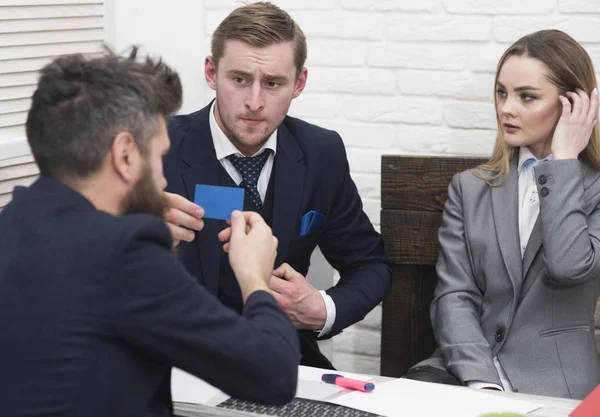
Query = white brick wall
x=409 y=77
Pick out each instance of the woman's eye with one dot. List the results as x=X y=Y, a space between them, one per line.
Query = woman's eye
x=527 y=97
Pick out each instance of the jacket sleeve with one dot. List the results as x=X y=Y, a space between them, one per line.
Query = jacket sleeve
x=455 y=310
x=570 y=236
x=164 y=313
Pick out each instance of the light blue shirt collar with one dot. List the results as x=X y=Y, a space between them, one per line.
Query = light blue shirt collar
x=527 y=160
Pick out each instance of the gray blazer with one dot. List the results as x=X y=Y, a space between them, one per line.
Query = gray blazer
x=535 y=314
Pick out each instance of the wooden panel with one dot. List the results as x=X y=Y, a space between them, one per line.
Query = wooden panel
x=10 y=132
x=39 y=25
x=18 y=79
x=16 y=161
x=4 y=200
x=13 y=119
x=419 y=183
x=6 y=196
x=14 y=172
x=7 y=186
x=406 y=335
x=411 y=236
x=23 y=170
x=51 y=11
x=414 y=191
x=30 y=64
x=40 y=51
x=44 y=2
x=23 y=65
x=56 y=36
x=12 y=93
x=32 y=32
x=8 y=106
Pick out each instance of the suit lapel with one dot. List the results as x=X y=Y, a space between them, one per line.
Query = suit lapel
x=533 y=246
x=289 y=173
x=505 y=213
x=199 y=165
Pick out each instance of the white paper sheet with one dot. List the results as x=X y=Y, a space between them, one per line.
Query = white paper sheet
x=316 y=390
x=422 y=399
x=187 y=388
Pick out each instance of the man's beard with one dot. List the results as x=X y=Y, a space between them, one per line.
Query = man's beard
x=144 y=197
x=236 y=137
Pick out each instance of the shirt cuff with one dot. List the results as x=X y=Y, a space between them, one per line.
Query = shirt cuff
x=330 y=311
x=482 y=385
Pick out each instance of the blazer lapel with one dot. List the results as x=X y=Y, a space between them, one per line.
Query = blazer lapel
x=533 y=246
x=505 y=213
x=199 y=165
x=289 y=173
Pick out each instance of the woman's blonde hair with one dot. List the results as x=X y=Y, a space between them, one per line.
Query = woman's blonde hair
x=570 y=67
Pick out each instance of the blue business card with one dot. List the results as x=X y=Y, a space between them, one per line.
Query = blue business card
x=219 y=202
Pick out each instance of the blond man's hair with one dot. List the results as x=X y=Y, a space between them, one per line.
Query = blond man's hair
x=259 y=24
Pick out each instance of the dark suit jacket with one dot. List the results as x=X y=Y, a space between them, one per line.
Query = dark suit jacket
x=95 y=309
x=311 y=173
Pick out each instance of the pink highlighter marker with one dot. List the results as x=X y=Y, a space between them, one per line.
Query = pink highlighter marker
x=340 y=381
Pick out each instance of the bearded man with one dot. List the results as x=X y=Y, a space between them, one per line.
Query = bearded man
x=94 y=307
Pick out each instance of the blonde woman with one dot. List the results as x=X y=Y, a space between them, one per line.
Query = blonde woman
x=519 y=263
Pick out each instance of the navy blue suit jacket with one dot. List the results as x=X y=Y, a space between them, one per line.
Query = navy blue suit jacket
x=95 y=309
x=311 y=173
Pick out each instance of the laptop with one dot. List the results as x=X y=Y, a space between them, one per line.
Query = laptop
x=189 y=392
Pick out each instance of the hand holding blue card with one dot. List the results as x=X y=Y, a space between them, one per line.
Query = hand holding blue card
x=219 y=202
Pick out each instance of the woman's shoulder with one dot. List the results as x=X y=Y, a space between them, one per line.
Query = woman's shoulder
x=476 y=178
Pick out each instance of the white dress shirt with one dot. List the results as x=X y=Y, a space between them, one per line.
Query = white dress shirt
x=529 y=202
x=529 y=209
x=223 y=148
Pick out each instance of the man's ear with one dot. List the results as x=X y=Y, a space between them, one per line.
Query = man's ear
x=210 y=72
x=300 y=82
x=125 y=157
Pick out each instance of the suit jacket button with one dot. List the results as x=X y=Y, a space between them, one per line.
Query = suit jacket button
x=499 y=335
x=542 y=179
x=544 y=191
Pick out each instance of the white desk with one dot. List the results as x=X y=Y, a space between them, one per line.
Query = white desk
x=551 y=407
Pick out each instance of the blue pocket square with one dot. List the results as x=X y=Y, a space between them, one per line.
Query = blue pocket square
x=310 y=221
